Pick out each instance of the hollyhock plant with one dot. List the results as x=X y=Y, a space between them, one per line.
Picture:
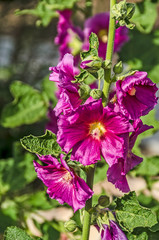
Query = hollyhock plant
x=92 y=130
x=136 y=95
x=117 y=172
x=62 y=183
x=99 y=24
x=69 y=37
x=112 y=232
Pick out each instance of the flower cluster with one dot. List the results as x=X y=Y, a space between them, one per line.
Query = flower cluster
x=85 y=129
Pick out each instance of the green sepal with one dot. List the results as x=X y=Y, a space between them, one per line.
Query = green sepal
x=130 y=73
x=118 y=68
x=96 y=93
x=70 y=226
x=84 y=91
x=42 y=145
x=81 y=77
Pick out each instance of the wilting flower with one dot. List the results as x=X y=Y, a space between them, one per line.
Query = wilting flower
x=92 y=130
x=117 y=172
x=112 y=232
x=99 y=24
x=63 y=75
x=69 y=37
x=136 y=95
x=62 y=183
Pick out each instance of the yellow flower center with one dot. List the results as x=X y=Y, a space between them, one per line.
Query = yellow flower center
x=67 y=177
x=132 y=91
x=103 y=35
x=97 y=130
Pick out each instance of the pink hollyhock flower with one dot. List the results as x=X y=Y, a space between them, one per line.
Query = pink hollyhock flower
x=62 y=183
x=136 y=95
x=92 y=130
x=117 y=172
x=112 y=232
x=99 y=24
x=69 y=37
x=63 y=74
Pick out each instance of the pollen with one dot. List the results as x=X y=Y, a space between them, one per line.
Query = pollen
x=132 y=91
x=103 y=35
x=67 y=177
x=97 y=130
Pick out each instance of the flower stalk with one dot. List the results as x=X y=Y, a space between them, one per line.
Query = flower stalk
x=109 y=55
x=87 y=214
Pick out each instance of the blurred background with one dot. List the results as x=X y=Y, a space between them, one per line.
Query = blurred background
x=27 y=50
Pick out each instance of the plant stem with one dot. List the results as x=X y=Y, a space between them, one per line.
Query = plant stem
x=87 y=215
x=109 y=54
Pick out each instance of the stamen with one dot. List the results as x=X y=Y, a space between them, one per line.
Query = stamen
x=132 y=91
x=97 y=130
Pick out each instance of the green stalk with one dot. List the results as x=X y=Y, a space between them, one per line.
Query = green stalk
x=109 y=55
x=87 y=215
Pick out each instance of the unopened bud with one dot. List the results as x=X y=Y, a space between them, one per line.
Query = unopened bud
x=118 y=68
x=130 y=10
x=91 y=64
x=84 y=91
x=70 y=226
x=103 y=201
x=96 y=93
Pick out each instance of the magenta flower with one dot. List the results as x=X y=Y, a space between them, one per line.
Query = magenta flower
x=69 y=100
x=99 y=24
x=65 y=71
x=63 y=74
x=112 y=232
x=136 y=95
x=117 y=172
x=69 y=37
x=62 y=183
x=92 y=130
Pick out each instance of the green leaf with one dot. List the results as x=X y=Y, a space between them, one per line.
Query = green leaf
x=93 y=47
x=42 y=145
x=15 y=233
x=145 y=15
x=28 y=107
x=141 y=236
x=46 y=10
x=130 y=214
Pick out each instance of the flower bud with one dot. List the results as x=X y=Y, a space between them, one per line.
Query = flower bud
x=91 y=64
x=84 y=91
x=118 y=68
x=70 y=226
x=96 y=93
x=103 y=201
x=130 y=10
